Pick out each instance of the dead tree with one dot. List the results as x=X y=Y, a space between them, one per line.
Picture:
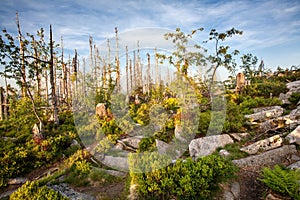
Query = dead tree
x=52 y=81
x=118 y=86
x=127 y=81
x=22 y=57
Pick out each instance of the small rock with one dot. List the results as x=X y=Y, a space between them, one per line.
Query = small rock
x=295 y=165
x=263 y=145
x=224 y=153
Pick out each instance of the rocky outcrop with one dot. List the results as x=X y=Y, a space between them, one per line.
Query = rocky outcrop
x=267 y=159
x=263 y=145
x=207 y=145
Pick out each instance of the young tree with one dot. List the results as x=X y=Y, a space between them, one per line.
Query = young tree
x=249 y=65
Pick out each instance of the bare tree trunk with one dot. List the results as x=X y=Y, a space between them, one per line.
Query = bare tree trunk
x=91 y=60
x=69 y=83
x=118 y=86
x=127 y=83
x=52 y=81
x=109 y=63
x=83 y=83
x=22 y=57
x=156 y=70
x=64 y=75
x=134 y=71
x=148 y=74
x=130 y=72
x=2 y=103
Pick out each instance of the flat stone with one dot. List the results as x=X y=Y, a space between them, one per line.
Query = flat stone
x=268 y=158
x=294 y=136
x=295 y=158
x=207 y=145
x=274 y=111
x=263 y=145
x=119 y=163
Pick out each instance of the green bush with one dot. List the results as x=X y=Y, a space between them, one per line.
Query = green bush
x=282 y=180
x=32 y=191
x=264 y=89
x=182 y=180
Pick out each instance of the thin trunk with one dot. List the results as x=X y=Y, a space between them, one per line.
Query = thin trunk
x=148 y=74
x=6 y=97
x=52 y=81
x=108 y=57
x=47 y=86
x=127 y=83
x=138 y=72
x=134 y=71
x=69 y=82
x=64 y=75
x=37 y=70
x=84 y=84
x=91 y=60
x=118 y=86
x=22 y=58
x=156 y=69
x=130 y=72
x=2 y=103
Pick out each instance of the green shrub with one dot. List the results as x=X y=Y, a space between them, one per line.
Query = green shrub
x=264 y=89
x=282 y=180
x=182 y=180
x=32 y=191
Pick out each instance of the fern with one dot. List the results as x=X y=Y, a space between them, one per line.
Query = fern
x=282 y=180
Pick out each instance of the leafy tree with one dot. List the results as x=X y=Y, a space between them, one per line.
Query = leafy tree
x=249 y=65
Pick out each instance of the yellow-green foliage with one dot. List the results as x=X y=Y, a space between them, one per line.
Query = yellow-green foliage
x=182 y=180
x=282 y=180
x=32 y=191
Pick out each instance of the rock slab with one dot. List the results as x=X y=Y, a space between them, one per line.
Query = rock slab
x=268 y=158
x=207 y=145
x=263 y=145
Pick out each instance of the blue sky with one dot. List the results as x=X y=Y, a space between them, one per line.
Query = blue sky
x=271 y=28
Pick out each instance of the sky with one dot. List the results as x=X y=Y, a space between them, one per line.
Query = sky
x=271 y=29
